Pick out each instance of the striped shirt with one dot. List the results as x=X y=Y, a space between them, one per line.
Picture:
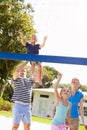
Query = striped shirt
x=22 y=89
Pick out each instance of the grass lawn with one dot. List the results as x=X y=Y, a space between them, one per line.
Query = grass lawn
x=6 y=113
x=34 y=118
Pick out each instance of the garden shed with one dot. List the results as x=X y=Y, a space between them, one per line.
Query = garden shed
x=43 y=103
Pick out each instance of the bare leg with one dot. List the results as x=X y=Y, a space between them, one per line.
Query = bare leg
x=40 y=71
x=15 y=126
x=26 y=126
x=38 y=75
x=33 y=69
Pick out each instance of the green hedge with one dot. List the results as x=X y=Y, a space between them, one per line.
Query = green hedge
x=5 y=105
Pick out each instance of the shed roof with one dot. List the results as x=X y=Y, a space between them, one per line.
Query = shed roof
x=51 y=90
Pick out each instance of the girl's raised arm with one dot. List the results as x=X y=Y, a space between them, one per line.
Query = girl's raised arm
x=56 y=93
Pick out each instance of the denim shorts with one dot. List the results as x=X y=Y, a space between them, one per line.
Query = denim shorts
x=22 y=113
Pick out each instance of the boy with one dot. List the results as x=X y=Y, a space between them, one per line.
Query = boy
x=33 y=48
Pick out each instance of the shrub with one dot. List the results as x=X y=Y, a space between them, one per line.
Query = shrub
x=5 y=105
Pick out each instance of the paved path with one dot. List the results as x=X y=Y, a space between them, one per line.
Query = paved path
x=6 y=124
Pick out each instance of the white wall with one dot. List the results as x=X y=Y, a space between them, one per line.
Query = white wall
x=43 y=106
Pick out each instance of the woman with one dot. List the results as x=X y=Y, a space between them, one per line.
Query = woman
x=76 y=98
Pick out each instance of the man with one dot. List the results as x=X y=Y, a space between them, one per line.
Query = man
x=22 y=97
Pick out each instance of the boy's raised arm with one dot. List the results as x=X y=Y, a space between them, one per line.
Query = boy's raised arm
x=44 y=41
x=22 y=38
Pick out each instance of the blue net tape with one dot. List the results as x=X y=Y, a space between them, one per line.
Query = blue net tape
x=43 y=58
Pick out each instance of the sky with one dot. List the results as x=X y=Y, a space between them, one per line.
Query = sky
x=65 y=23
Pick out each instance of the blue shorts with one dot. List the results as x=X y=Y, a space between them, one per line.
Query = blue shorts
x=21 y=113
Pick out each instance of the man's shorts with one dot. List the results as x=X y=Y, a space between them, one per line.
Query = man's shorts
x=22 y=113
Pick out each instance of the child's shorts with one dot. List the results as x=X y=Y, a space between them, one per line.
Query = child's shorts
x=36 y=62
x=21 y=113
x=58 y=127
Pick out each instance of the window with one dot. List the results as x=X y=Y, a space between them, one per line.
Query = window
x=44 y=96
x=85 y=111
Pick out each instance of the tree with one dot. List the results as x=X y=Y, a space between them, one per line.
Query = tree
x=49 y=75
x=14 y=15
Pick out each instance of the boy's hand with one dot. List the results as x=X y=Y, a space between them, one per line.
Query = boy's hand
x=20 y=33
x=45 y=38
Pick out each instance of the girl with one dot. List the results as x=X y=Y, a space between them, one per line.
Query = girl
x=62 y=106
